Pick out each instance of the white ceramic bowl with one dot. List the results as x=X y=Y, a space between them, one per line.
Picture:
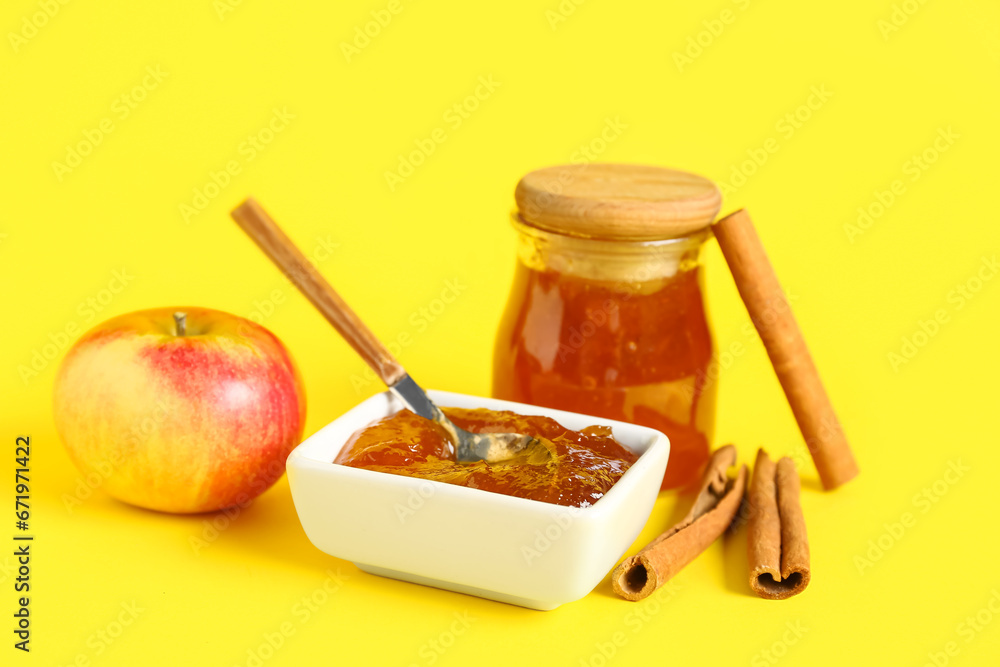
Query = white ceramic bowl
x=523 y=552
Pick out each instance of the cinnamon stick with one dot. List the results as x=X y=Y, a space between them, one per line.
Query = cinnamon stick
x=715 y=505
x=772 y=315
x=777 y=545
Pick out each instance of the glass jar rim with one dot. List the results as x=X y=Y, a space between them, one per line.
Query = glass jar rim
x=693 y=239
x=608 y=260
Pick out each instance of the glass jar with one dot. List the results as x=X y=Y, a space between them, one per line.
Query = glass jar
x=612 y=325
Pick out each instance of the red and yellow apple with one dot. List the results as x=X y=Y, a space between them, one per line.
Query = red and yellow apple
x=188 y=413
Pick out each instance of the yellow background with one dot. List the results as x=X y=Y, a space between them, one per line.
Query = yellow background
x=560 y=82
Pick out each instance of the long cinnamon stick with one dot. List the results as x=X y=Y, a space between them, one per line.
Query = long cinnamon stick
x=772 y=315
x=777 y=545
x=718 y=498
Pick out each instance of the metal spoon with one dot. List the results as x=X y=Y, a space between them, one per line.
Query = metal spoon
x=469 y=447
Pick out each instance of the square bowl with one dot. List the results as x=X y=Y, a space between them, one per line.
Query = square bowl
x=519 y=551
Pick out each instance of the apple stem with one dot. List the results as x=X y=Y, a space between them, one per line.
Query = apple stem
x=180 y=319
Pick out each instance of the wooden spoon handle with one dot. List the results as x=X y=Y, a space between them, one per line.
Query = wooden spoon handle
x=260 y=227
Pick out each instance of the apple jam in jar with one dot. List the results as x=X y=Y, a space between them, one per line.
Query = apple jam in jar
x=606 y=315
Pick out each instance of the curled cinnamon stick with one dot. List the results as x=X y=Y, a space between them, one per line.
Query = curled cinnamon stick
x=777 y=546
x=772 y=316
x=718 y=498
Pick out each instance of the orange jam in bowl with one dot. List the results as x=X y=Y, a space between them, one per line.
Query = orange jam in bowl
x=564 y=467
x=606 y=315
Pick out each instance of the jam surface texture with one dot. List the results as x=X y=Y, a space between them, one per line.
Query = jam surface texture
x=564 y=467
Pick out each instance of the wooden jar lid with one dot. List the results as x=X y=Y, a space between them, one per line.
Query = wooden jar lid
x=617 y=201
